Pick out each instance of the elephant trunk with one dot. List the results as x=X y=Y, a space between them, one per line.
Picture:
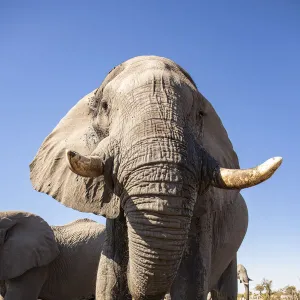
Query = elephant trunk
x=158 y=198
x=157 y=233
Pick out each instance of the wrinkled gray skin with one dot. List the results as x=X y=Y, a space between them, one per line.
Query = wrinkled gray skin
x=242 y=276
x=156 y=136
x=51 y=263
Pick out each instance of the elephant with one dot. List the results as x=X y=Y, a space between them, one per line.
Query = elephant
x=147 y=151
x=48 y=262
x=243 y=277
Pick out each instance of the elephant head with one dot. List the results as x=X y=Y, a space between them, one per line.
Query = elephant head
x=26 y=242
x=242 y=276
x=146 y=142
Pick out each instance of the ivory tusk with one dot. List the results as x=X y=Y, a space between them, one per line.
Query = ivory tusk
x=84 y=166
x=240 y=179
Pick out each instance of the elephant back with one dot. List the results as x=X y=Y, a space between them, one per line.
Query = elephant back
x=79 y=230
x=78 y=237
x=80 y=244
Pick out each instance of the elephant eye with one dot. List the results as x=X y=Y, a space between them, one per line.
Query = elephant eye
x=104 y=105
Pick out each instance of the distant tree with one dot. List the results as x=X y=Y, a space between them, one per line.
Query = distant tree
x=276 y=295
x=260 y=288
x=267 y=284
x=291 y=290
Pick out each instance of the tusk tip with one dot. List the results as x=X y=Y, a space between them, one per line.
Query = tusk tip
x=277 y=159
x=274 y=162
x=269 y=167
x=72 y=157
x=70 y=154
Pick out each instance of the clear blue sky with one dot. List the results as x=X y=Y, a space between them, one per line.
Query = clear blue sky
x=243 y=55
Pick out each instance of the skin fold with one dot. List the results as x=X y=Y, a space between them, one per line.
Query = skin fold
x=147 y=151
x=50 y=263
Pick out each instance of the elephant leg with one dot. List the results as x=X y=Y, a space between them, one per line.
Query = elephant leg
x=230 y=226
x=228 y=282
x=112 y=272
x=26 y=286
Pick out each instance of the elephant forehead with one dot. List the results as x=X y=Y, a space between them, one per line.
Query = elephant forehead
x=142 y=70
x=158 y=78
x=133 y=78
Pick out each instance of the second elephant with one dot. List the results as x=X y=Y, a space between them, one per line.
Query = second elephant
x=222 y=290
x=243 y=277
x=52 y=263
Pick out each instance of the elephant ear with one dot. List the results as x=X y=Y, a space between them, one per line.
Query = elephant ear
x=50 y=174
x=49 y=171
x=215 y=140
x=26 y=242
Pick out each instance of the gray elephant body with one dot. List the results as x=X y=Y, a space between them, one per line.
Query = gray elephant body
x=148 y=148
x=70 y=272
